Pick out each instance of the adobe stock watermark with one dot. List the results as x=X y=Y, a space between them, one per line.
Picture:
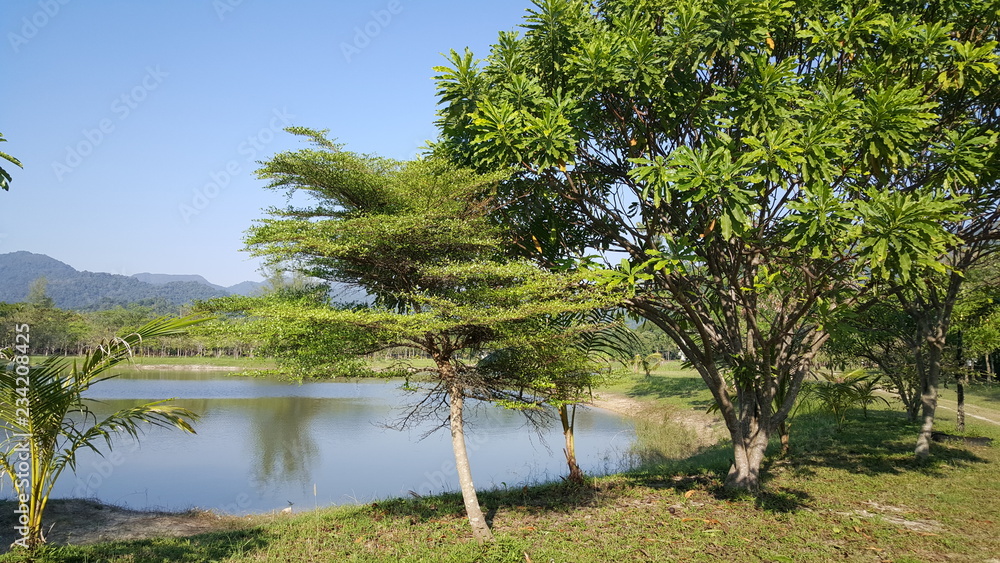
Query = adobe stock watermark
x=21 y=461
x=31 y=25
x=122 y=107
x=101 y=471
x=220 y=179
x=224 y=7
x=363 y=35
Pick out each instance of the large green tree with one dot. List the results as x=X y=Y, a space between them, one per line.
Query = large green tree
x=760 y=164
x=414 y=235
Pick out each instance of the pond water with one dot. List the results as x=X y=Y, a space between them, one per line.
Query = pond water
x=263 y=444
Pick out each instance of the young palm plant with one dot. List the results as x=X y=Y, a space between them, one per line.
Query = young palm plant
x=840 y=394
x=56 y=421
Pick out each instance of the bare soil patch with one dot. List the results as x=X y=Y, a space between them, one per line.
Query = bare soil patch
x=81 y=522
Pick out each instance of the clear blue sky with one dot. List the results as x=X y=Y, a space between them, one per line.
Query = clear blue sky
x=124 y=112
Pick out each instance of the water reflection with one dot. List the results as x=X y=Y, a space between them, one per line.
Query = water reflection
x=284 y=446
x=262 y=444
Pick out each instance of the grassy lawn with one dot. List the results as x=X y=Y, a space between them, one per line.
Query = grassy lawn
x=242 y=363
x=853 y=495
x=224 y=361
x=670 y=384
x=986 y=395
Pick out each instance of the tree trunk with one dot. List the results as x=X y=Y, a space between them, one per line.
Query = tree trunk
x=960 y=417
x=480 y=530
x=750 y=433
x=748 y=456
x=912 y=410
x=783 y=431
x=575 y=473
x=929 y=393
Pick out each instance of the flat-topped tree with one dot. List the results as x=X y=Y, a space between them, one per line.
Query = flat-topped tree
x=759 y=163
x=414 y=235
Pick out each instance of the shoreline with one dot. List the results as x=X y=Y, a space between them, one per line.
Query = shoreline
x=618 y=404
x=186 y=367
x=80 y=521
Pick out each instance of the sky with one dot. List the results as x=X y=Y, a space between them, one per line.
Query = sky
x=140 y=123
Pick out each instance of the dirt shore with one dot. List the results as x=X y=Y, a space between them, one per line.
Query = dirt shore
x=81 y=522
x=708 y=429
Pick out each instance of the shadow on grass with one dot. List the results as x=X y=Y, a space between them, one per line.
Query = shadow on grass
x=881 y=444
x=549 y=497
x=213 y=546
x=659 y=387
x=663 y=387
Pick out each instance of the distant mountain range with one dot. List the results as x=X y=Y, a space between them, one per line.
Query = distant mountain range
x=72 y=289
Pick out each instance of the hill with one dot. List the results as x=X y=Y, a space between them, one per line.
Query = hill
x=242 y=288
x=94 y=291
x=73 y=289
x=163 y=279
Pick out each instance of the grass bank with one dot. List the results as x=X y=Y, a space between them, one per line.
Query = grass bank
x=851 y=495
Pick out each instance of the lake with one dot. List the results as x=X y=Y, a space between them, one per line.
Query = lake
x=263 y=444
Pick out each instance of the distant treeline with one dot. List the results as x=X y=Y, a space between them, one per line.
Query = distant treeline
x=57 y=331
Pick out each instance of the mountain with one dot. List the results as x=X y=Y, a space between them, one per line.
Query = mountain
x=92 y=291
x=163 y=279
x=72 y=289
x=247 y=288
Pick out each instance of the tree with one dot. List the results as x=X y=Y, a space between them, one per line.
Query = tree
x=53 y=330
x=415 y=236
x=882 y=334
x=977 y=313
x=38 y=295
x=761 y=165
x=4 y=175
x=974 y=325
x=561 y=359
x=47 y=420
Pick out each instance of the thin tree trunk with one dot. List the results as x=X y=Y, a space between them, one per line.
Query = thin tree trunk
x=960 y=417
x=783 y=431
x=480 y=530
x=575 y=473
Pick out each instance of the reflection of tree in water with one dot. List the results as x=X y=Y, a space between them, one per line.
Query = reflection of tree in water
x=284 y=448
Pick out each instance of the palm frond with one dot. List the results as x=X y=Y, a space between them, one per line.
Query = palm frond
x=129 y=422
x=4 y=175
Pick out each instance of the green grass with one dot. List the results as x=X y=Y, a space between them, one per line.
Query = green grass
x=222 y=361
x=850 y=495
x=670 y=384
x=978 y=394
